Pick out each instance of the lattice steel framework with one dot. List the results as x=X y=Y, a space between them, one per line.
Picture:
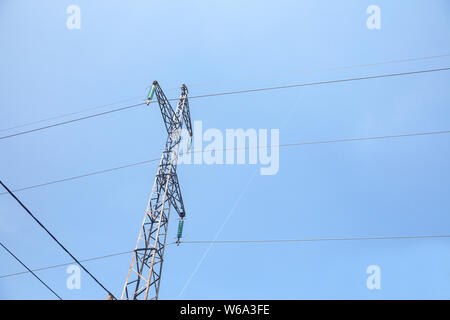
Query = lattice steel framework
x=144 y=274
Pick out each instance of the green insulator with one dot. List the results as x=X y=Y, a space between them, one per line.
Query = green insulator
x=189 y=143
x=151 y=93
x=180 y=229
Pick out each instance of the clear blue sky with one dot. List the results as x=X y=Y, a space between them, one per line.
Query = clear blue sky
x=357 y=189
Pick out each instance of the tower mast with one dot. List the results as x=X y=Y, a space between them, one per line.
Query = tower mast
x=144 y=274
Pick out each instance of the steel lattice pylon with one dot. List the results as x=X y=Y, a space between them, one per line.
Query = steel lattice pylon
x=144 y=274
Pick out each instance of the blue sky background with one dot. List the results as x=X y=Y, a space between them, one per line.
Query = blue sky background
x=357 y=189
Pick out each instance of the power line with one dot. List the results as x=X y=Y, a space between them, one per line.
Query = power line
x=314 y=239
x=71 y=121
x=30 y=271
x=84 y=175
x=53 y=237
x=318 y=83
x=369 y=138
x=258 y=147
x=68 y=263
x=324 y=69
x=69 y=114
x=234 y=80
x=245 y=241
x=232 y=93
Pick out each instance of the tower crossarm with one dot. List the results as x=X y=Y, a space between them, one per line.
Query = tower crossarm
x=167 y=112
x=186 y=111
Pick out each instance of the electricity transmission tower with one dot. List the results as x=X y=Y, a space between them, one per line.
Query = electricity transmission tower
x=144 y=274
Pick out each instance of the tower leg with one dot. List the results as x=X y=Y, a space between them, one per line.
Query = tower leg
x=144 y=274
